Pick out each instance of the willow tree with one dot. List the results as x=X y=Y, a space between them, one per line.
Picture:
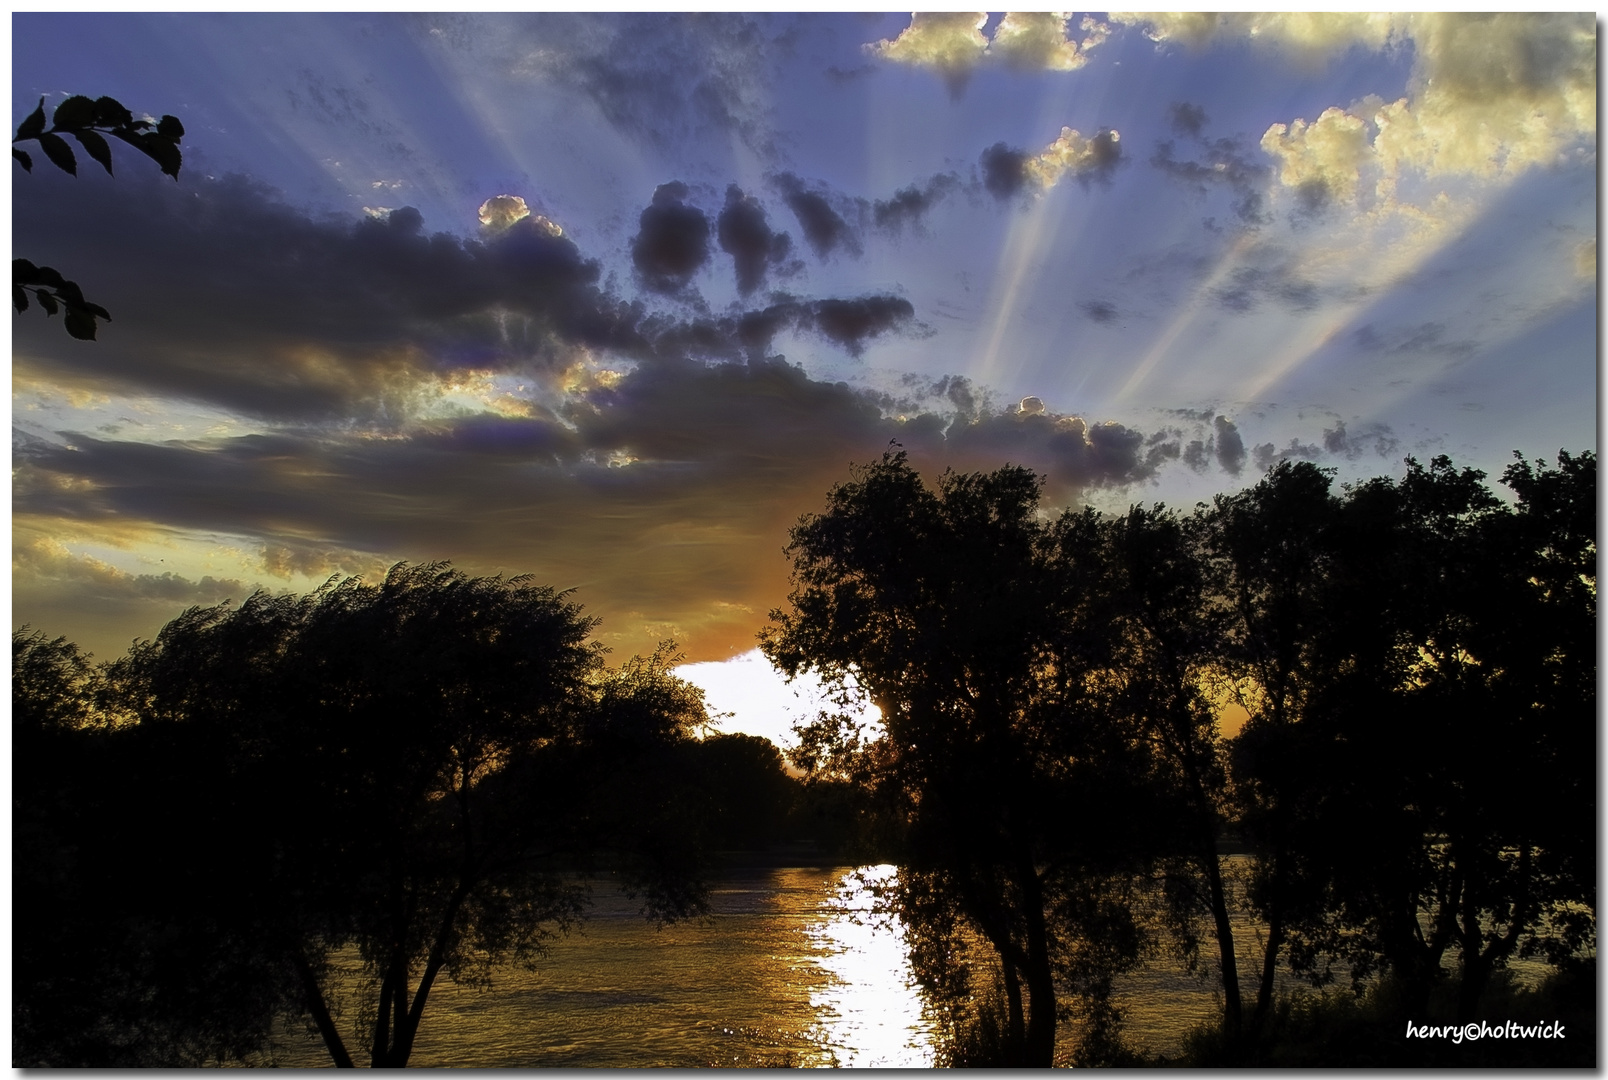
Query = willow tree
x=957 y=615
x=413 y=769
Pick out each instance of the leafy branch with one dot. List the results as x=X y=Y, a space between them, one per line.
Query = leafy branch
x=54 y=293
x=90 y=121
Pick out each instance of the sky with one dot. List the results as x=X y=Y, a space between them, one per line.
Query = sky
x=613 y=300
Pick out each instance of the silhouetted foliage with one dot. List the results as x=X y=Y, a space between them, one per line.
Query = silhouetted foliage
x=88 y=120
x=964 y=620
x=414 y=770
x=1415 y=780
x=415 y=774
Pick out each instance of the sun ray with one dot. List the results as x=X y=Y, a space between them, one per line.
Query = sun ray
x=1186 y=316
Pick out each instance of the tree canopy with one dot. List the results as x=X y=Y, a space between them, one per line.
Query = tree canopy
x=414 y=769
x=1416 y=659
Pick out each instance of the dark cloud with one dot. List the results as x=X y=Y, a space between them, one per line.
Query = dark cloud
x=673 y=243
x=668 y=79
x=1374 y=438
x=661 y=491
x=1004 y=170
x=1312 y=197
x=1249 y=286
x=358 y=321
x=1074 y=454
x=1230 y=447
x=1428 y=337
x=746 y=236
x=1267 y=455
x=909 y=205
x=851 y=322
x=1187 y=119
x=1224 y=163
x=1100 y=311
x=1105 y=148
x=824 y=227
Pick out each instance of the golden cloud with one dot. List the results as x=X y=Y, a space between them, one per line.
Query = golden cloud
x=953 y=43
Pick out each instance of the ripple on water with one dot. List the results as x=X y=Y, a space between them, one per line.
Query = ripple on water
x=783 y=973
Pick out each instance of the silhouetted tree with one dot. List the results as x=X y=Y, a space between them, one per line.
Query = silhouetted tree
x=1456 y=727
x=413 y=769
x=1170 y=627
x=748 y=798
x=1267 y=556
x=954 y=613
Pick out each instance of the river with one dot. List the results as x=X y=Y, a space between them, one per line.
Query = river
x=790 y=970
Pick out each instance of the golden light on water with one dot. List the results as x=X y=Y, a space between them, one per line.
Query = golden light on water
x=871 y=1008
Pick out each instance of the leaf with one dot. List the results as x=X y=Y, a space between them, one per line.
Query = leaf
x=164 y=152
x=47 y=275
x=60 y=154
x=109 y=112
x=31 y=127
x=77 y=111
x=96 y=147
x=27 y=162
x=70 y=293
x=19 y=298
x=153 y=146
x=81 y=324
x=170 y=128
x=47 y=302
x=97 y=310
x=24 y=272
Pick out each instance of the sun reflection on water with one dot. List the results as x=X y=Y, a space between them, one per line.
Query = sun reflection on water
x=870 y=1008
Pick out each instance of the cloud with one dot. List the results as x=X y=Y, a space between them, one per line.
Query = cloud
x=1187 y=119
x=1490 y=96
x=1376 y=438
x=823 y=226
x=950 y=42
x=1008 y=172
x=1311 y=36
x=673 y=243
x=850 y=322
x=746 y=236
x=667 y=79
x=1585 y=259
x=1100 y=311
x=1420 y=339
x=658 y=491
x=1230 y=447
x=500 y=213
x=1267 y=455
x=1004 y=171
x=366 y=321
x=909 y=205
x=1225 y=163
x=953 y=43
x=1037 y=41
x=1271 y=276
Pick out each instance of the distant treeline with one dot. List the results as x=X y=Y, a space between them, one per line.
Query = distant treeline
x=428 y=769
x=1415 y=784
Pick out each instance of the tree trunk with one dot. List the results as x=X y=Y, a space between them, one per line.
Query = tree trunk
x=1040 y=1046
x=1270 y=966
x=314 y=995
x=1233 y=1010
x=1016 y=1028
